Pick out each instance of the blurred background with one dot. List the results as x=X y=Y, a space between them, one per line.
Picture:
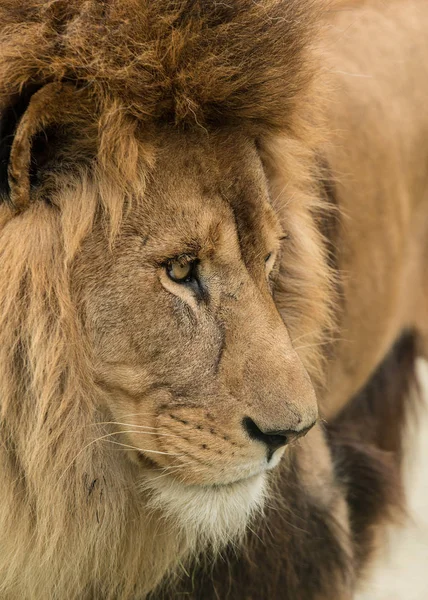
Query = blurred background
x=401 y=570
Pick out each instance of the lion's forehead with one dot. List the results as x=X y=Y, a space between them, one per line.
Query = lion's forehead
x=208 y=186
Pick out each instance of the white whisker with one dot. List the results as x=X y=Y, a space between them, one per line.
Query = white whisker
x=142 y=449
x=121 y=423
x=171 y=435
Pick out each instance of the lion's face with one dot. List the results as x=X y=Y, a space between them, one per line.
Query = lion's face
x=193 y=358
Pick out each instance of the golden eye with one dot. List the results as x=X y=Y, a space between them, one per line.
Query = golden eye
x=180 y=271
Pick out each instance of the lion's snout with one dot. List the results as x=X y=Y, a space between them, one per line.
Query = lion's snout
x=223 y=444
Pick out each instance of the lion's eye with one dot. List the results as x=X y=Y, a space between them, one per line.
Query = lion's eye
x=267 y=258
x=180 y=271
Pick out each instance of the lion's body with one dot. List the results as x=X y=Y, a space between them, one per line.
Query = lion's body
x=378 y=159
x=138 y=139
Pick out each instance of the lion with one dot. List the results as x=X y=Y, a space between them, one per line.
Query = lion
x=213 y=249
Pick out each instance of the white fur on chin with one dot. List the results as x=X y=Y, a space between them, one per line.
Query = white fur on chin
x=209 y=514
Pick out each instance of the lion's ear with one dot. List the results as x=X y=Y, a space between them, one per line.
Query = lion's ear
x=27 y=132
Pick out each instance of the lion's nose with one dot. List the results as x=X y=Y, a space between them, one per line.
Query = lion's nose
x=273 y=439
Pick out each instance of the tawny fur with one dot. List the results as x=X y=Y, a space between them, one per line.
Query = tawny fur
x=157 y=113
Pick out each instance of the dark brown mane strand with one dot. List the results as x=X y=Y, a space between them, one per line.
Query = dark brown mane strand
x=9 y=120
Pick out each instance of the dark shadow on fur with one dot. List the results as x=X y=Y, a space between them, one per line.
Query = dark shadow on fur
x=291 y=553
x=328 y=221
x=367 y=444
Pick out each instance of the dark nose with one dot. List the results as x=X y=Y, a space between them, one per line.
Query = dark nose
x=273 y=439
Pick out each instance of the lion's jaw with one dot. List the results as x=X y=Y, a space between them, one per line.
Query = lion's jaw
x=207 y=515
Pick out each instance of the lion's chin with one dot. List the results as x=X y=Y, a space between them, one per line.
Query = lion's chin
x=211 y=515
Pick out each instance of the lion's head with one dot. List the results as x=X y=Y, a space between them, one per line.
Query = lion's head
x=149 y=381
x=193 y=359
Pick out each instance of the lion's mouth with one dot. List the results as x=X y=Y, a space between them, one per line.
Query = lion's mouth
x=154 y=471
x=239 y=474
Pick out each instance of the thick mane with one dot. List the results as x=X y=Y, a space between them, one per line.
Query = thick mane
x=175 y=61
x=63 y=491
